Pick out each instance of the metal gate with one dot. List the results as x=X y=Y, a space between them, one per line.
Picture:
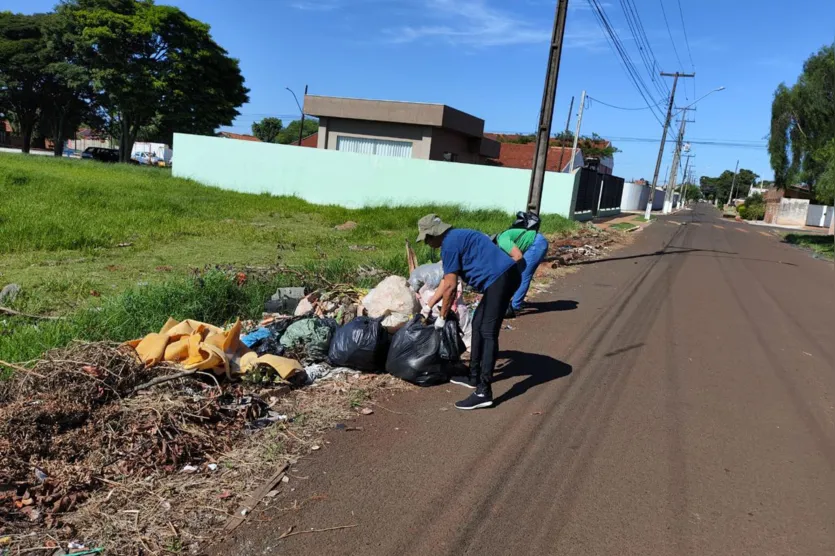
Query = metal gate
x=588 y=192
x=612 y=192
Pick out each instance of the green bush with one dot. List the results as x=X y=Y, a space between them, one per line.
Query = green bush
x=742 y=211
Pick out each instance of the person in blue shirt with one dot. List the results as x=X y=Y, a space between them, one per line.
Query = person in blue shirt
x=472 y=256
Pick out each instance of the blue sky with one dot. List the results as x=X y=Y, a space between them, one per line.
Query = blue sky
x=487 y=57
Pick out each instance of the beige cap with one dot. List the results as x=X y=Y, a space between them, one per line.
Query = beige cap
x=431 y=225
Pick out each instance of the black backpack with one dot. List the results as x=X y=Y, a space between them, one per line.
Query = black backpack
x=527 y=221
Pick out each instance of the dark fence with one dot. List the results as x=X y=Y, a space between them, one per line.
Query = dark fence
x=612 y=192
x=590 y=199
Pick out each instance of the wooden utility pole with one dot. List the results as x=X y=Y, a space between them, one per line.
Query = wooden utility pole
x=546 y=112
x=577 y=133
x=651 y=195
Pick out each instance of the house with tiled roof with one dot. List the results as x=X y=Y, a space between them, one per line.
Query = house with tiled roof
x=238 y=136
x=311 y=141
x=515 y=154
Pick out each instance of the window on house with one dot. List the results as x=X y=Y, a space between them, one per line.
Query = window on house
x=380 y=147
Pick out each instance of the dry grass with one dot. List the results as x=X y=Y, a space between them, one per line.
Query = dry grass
x=83 y=459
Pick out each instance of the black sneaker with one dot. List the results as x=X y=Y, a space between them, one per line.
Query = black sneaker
x=510 y=313
x=467 y=381
x=477 y=400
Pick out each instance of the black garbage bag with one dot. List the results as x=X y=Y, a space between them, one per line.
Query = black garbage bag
x=268 y=346
x=527 y=221
x=361 y=344
x=414 y=355
x=452 y=345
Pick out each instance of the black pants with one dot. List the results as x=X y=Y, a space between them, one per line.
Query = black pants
x=487 y=323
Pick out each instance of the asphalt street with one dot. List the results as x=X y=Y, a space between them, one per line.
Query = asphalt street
x=675 y=398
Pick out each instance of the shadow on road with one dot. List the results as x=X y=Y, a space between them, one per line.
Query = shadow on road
x=538 y=369
x=549 y=306
x=680 y=251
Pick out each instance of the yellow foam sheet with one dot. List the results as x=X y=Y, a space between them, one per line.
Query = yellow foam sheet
x=199 y=346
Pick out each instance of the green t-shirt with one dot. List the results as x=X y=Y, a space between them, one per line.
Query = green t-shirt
x=522 y=239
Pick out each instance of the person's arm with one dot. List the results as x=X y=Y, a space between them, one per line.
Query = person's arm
x=446 y=291
x=509 y=246
x=515 y=253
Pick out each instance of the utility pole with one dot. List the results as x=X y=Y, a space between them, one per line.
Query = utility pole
x=577 y=133
x=685 y=179
x=301 y=124
x=675 y=77
x=671 y=183
x=736 y=171
x=567 y=123
x=546 y=112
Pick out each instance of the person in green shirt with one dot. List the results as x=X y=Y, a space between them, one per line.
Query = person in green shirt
x=528 y=248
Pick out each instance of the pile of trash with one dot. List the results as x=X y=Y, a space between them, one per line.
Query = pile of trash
x=95 y=416
x=589 y=242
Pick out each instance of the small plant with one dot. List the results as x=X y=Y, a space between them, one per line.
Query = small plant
x=358 y=398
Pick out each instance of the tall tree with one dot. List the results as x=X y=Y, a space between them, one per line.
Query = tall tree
x=803 y=123
x=154 y=68
x=290 y=133
x=720 y=187
x=22 y=74
x=267 y=130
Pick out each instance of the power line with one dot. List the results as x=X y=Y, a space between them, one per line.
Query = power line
x=633 y=18
x=621 y=107
x=687 y=42
x=670 y=32
x=708 y=142
x=623 y=56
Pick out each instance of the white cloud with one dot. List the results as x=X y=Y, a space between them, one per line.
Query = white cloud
x=317 y=5
x=471 y=23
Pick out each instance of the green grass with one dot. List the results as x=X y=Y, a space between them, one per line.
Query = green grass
x=62 y=221
x=642 y=219
x=622 y=226
x=819 y=244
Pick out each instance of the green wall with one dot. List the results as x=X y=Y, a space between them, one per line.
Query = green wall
x=356 y=180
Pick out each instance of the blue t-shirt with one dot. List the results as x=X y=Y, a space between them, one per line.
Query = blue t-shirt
x=476 y=259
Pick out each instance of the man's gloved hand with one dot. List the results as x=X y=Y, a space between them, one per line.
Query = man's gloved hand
x=426 y=311
x=439 y=322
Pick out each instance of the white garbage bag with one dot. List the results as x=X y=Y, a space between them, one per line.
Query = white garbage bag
x=429 y=274
x=393 y=300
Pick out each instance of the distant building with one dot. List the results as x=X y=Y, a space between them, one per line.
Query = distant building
x=311 y=140
x=400 y=129
x=238 y=136
x=514 y=154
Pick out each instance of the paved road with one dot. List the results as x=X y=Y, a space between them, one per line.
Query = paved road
x=676 y=399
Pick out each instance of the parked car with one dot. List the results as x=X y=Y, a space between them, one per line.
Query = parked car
x=101 y=154
x=148 y=159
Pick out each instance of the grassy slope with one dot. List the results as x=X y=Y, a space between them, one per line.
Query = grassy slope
x=61 y=222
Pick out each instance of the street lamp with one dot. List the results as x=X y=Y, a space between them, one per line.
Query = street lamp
x=717 y=89
x=301 y=124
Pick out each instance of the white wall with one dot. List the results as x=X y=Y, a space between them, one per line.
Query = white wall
x=819 y=215
x=792 y=212
x=355 y=180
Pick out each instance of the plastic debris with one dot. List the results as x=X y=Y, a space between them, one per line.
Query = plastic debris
x=393 y=301
x=429 y=274
x=361 y=344
x=311 y=336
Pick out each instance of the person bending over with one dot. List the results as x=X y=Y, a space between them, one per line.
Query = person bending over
x=470 y=255
x=528 y=248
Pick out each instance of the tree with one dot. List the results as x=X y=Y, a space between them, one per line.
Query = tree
x=720 y=187
x=155 y=70
x=290 y=134
x=21 y=71
x=803 y=124
x=692 y=192
x=267 y=130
